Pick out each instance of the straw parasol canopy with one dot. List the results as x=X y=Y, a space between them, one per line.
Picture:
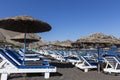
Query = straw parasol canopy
x=98 y=39
x=66 y=44
x=29 y=38
x=62 y=44
x=24 y=24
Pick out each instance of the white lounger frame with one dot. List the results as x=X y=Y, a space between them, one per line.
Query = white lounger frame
x=83 y=66
x=112 y=64
x=6 y=68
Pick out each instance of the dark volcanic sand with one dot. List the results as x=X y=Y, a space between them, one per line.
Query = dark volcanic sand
x=65 y=71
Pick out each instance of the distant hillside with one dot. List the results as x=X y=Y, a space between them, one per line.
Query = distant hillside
x=99 y=37
x=6 y=36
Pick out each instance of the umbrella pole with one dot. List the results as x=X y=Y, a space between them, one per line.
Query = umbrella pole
x=24 y=48
x=98 y=59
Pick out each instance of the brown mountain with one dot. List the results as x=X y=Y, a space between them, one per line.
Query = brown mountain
x=6 y=36
x=61 y=43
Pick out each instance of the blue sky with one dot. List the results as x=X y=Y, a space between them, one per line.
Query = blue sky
x=70 y=19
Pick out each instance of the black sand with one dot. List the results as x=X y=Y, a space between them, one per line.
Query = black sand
x=66 y=71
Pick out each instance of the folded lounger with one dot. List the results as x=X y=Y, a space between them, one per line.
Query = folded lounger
x=10 y=64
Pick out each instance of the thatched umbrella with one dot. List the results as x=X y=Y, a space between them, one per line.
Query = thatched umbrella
x=24 y=24
x=66 y=44
x=98 y=39
x=29 y=38
x=20 y=38
x=62 y=45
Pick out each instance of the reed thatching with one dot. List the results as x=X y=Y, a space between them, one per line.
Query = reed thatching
x=97 y=39
x=24 y=24
x=29 y=38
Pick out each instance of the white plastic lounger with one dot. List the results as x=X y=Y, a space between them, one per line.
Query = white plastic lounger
x=10 y=65
x=12 y=53
x=30 y=53
x=27 y=58
x=85 y=64
x=74 y=60
x=112 y=64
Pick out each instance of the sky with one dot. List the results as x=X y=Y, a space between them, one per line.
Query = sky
x=70 y=19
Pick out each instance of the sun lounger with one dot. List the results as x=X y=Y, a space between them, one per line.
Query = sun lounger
x=73 y=59
x=112 y=64
x=32 y=60
x=27 y=58
x=28 y=53
x=86 y=64
x=11 y=64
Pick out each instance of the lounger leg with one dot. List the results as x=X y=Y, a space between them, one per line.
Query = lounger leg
x=85 y=70
x=47 y=75
x=73 y=63
x=4 y=76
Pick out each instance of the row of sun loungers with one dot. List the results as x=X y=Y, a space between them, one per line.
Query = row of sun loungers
x=81 y=62
x=112 y=64
x=11 y=63
x=14 y=61
x=86 y=63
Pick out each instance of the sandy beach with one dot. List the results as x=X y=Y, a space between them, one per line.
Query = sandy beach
x=66 y=71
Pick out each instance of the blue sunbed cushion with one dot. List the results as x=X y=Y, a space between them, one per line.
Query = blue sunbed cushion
x=91 y=62
x=7 y=57
x=32 y=67
x=14 y=55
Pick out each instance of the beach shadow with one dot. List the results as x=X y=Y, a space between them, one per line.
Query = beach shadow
x=62 y=65
x=33 y=75
x=111 y=74
x=42 y=74
x=56 y=74
x=14 y=75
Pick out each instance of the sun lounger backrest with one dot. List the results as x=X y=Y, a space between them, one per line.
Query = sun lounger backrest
x=85 y=60
x=14 y=56
x=15 y=53
x=8 y=58
x=21 y=52
x=88 y=61
x=113 y=62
